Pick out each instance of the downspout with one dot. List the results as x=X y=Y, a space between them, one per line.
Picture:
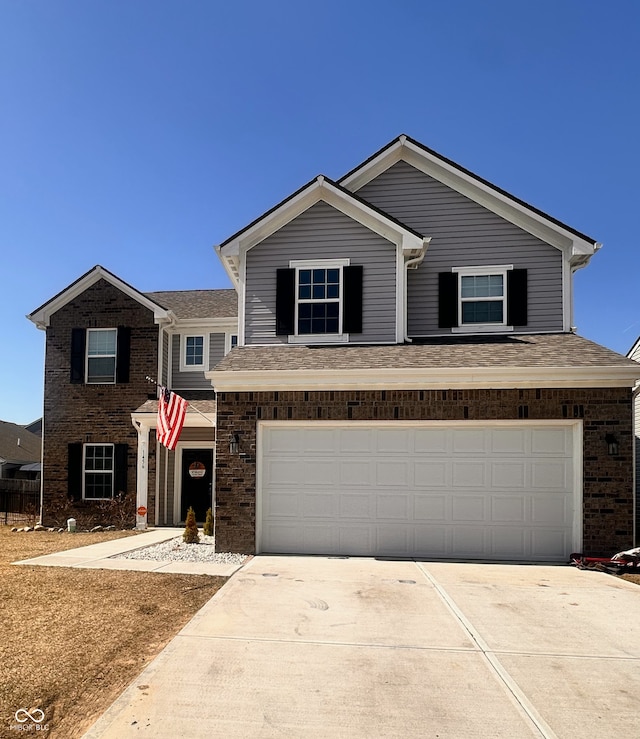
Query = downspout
x=634 y=394
x=413 y=263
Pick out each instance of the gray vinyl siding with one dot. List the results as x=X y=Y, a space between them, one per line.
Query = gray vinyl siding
x=322 y=232
x=464 y=234
x=216 y=350
x=195 y=380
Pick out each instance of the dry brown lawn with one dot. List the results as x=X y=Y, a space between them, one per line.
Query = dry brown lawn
x=72 y=639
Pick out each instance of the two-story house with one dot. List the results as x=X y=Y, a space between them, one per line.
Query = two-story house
x=406 y=380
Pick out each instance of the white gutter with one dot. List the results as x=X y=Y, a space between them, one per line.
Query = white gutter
x=412 y=264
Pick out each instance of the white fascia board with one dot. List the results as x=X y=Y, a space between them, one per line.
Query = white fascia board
x=186 y=324
x=321 y=190
x=481 y=193
x=440 y=378
x=192 y=420
x=42 y=316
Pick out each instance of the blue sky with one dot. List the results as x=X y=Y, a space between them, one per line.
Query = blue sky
x=137 y=135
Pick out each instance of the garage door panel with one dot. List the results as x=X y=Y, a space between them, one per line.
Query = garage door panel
x=359 y=473
x=354 y=540
x=469 y=441
x=283 y=504
x=431 y=474
x=319 y=505
x=510 y=475
x=426 y=491
x=430 y=507
x=393 y=473
x=551 y=509
x=551 y=474
x=356 y=506
x=508 y=509
x=394 y=441
x=469 y=474
x=509 y=441
x=549 y=542
x=551 y=441
x=393 y=507
x=356 y=441
x=431 y=441
x=469 y=508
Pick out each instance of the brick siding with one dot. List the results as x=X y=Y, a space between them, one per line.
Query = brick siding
x=79 y=413
x=607 y=483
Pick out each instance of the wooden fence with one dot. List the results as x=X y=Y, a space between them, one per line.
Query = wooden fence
x=19 y=501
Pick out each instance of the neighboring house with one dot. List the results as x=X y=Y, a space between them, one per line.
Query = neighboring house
x=20 y=452
x=406 y=381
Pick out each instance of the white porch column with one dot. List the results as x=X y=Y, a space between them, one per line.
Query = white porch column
x=142 y=476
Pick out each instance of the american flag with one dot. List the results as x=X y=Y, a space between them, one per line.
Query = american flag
x=171 y=412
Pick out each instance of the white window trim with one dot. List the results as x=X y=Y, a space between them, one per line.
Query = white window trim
x=98 y=472
x=493 y=269
x=98 y=356
x=184 y=367
x=227 y=341
x=338 y=338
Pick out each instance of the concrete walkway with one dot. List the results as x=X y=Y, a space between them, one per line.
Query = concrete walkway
x=99 y=556
x=330 y=647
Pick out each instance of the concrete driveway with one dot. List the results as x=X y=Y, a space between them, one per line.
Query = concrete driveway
x=330 y=647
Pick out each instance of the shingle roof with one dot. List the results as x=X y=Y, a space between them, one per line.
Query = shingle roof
x=198 y=303
x=204 y=406
x=27 y=451
x=541 y=350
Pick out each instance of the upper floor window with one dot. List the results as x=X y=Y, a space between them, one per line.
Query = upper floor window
x=101 y=355
x=194 y=352
x=482 y=299
x=319 y=301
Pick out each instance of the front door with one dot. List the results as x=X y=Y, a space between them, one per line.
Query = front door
x=197 y=482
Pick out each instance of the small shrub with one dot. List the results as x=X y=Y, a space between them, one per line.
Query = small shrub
x=207 y=529
x=191 y=535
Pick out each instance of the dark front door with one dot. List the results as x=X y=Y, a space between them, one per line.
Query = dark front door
x=197 y=482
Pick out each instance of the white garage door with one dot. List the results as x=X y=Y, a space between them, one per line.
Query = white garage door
x=462 y=491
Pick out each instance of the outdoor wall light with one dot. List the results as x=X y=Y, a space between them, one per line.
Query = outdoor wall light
x=612 y=445
x=234 y=444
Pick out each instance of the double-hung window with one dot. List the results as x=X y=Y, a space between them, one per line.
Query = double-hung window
x=319 y=297
x=101 y=355
x=98 y=471
x=482 y=297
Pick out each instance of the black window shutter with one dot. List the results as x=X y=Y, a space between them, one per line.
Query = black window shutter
x=285 y=301
x=352 y=307
x=78 y=339
x=74 y=471
x=517 y=297
x=121 y=468
x=123 y=357
x=447 y=299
